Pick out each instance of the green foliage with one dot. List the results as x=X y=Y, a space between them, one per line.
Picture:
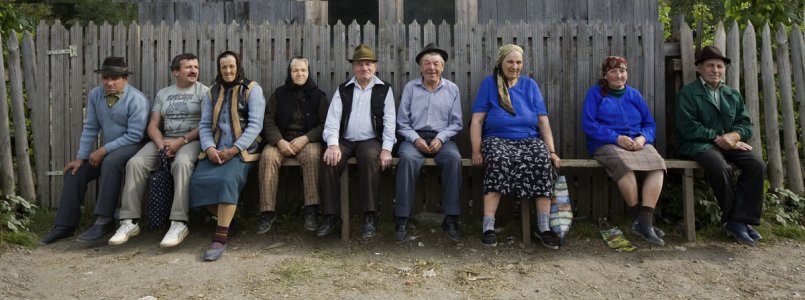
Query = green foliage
x=759 y=12
x=12 y=19
x=784 y=207
x=15 y=213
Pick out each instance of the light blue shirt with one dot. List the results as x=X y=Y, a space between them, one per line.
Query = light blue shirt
x=421 y=109
x=360 y=127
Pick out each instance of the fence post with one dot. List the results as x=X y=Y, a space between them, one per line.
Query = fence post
x=798 y=47
x=750 y=85
x=26 y=180
x=793 y=170
x=772 y=128
x=39 y=128
x=6 y=172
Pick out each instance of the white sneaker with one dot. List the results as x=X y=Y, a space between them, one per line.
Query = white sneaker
x=175 y=235
x=127 y=229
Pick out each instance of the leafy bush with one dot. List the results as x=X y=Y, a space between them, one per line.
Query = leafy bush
x=15 y=216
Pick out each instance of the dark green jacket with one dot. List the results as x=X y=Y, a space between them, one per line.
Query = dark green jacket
x=699 y=120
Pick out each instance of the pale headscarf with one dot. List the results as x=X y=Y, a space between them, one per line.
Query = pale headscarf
x=500 y=80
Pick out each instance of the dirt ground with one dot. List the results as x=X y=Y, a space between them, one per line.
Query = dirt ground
x=296 y=265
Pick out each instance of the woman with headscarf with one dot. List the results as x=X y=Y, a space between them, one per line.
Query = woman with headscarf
x=292 y=127
x=620 y=131
x=229 y=130
x=511 y=134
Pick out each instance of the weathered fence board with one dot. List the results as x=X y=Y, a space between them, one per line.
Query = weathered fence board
x=751 y=95
x=7 y=178
x=772 y=125
x=798 y=68
x=25 y=181
x=793 y=174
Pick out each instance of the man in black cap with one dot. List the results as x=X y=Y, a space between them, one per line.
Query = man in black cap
x=360 y=122
x=428 y=118
x=713 y=124
x=120 y=111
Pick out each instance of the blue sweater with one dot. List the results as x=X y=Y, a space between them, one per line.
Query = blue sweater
x=527 y=102
x=603 y=119
x=123 y=124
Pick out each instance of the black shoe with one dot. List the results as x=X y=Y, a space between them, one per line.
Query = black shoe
x=489 y=238
x=753 y=233
x=739 y=232
x=56 y=234
x=548 y=238
x=329 y=224
x=310 y=221
x=451 y=228
x=265 y=222
x=369 y=229
x=96 y=232
x=399 y=233
x=647 y=233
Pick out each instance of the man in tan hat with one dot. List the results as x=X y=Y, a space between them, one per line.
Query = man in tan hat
x=713 y=125
x=360 y=122
x=429 y=117
x=120 y=111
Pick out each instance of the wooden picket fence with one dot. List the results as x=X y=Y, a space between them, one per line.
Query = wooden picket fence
x=563 y=57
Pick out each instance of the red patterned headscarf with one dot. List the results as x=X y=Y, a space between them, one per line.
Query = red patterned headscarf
x=610 y=62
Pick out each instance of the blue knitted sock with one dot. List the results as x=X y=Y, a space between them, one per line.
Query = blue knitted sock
x=489 y=224
x=542 y=221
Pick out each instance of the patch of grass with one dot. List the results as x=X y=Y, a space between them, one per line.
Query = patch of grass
x=786 y=231
x=42 y=221
x=21 y=238
x=292 y=272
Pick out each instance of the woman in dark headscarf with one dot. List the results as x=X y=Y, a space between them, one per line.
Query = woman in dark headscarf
x=229 y=130
x=292 y=127
x=511 y=133
x=620 y=133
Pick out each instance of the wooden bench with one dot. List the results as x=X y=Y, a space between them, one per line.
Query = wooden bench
x=525 y=210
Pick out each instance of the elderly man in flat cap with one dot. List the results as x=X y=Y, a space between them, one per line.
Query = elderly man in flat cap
x=360 y=122
x=713 y=125
x=120 y=111
x=428 y=118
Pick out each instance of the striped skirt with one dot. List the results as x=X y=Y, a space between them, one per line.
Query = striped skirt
x=619 y=161
x=518 y=168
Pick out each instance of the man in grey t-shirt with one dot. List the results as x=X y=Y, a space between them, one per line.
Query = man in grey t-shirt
x=178 y=109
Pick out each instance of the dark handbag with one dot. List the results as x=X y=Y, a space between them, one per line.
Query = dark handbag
x=160 y=193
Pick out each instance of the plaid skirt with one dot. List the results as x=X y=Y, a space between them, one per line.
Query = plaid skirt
x=619 y=161
x=518 y=168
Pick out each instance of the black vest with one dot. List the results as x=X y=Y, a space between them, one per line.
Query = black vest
x=379 y=92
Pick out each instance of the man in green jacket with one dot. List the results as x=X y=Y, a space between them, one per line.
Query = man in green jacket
x=713 y=125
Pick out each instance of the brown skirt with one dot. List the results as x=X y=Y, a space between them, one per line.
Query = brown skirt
x=619 y=161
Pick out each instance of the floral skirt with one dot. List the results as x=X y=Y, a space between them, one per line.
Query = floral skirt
x=518 y=168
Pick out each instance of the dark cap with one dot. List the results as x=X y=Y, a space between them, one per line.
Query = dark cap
x=711 y=52
x=114 y=65
x=430 y=48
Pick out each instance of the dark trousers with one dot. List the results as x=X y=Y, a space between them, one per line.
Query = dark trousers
x=411 y=161
x=740 y=201
x=367 y=153
x=111 y=173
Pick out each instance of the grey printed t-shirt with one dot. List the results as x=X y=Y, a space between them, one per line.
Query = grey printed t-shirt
x=180 y=108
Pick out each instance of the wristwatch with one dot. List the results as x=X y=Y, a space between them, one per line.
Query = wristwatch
x=186 y=141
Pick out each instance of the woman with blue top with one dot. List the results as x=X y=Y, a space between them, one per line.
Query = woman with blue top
x=511 y=134
x=231 y=121
x=620 y=131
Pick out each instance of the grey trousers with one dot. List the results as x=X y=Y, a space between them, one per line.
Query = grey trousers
x=411 y=160
x=139 y=169
x=110 y=183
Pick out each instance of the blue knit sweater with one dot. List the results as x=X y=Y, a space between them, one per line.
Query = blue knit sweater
x=123 y=124
x=604 y=118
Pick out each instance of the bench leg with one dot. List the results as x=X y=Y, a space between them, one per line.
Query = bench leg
x=345 y=204
x=687 y=205
x=525 y=215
